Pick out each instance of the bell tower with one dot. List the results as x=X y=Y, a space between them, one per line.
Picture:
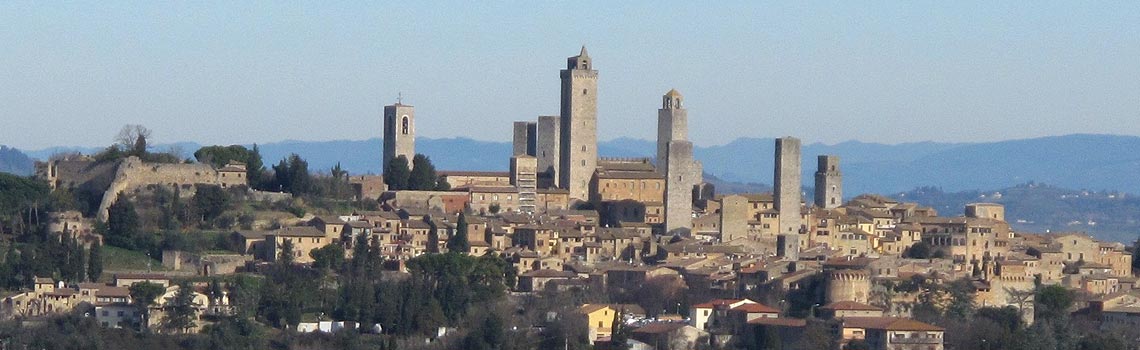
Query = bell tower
x=399 y=132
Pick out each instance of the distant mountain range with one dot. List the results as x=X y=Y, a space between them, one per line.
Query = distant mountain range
x=1094 y=162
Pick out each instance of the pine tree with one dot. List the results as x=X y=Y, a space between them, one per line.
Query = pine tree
x=459 y=242
x=397 y=173
x=80 y=262
x=619 y=333
x=422 y=177
x=122 y=223
x=180 y=312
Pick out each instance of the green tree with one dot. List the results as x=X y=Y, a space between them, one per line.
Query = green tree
x=423 y=175
x=143 y=294
x=397 y=174
x=122 y=224
x=180 y=312
x=441 y=184
x=920 y=250
x=620 y=333
x=458 y=242
x=210 y=201
x=328 y=257
x=1053 y=302
x=857 y=344
x=432 y=245
x=288 y=253
x=255 y=169
x=219 y=156
x=292 y=175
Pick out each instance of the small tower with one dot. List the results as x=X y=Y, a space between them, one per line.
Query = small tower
x=579 y=129
x=525 y=138
x=399 y=132
x=828 y=183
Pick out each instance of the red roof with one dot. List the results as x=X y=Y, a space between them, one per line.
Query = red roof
x=889 y=323
x=717 y=302
x=756 y=309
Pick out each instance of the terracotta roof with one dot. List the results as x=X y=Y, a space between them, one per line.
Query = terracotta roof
x=329 y=219
x=716 y=302
x=299 y=231
x=108 y=291
x=888 y=323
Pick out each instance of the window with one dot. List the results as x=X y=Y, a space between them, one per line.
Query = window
x=583 y=91
x=404 y=128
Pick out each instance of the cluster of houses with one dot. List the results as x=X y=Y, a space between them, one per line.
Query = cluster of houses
x=111 y=304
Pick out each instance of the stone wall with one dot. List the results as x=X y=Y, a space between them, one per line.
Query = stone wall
x=133 y=176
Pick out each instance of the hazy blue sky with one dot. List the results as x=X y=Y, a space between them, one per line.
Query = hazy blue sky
x=244 y=71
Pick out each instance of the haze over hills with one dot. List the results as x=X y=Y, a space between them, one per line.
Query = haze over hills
x=1094 y=162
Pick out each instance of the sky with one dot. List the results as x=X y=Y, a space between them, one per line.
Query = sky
x=239 y=72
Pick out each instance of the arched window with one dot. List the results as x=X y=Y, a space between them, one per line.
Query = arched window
x=404 y=129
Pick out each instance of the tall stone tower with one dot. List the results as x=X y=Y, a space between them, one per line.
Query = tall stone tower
x=547 y=151
x=828 y=183
x=672 y=125
x=579 y=129
x=788 y=195
x=525 y=139
x=399 y=132
x=675 y=162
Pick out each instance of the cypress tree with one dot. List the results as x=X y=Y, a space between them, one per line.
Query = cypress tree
x=459 y=242
x=95 y=262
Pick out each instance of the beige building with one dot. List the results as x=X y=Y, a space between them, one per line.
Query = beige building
x=304 y=239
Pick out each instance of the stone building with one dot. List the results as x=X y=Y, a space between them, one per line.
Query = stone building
x=524 y=141
x=524 y=170
x=399 y=133
x=828 y=183
x=579 y=146
x=547 y=150
x=675 y=162
x=788 y=193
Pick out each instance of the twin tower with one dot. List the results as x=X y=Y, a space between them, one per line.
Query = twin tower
x=566 y=146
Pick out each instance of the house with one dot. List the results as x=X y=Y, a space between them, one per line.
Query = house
x=599 y=320
x=669 y=335
x=844 y=309
x=536 y=280
x=129 y=279
x=704 y=314
x=891 y=333
x=303 y=238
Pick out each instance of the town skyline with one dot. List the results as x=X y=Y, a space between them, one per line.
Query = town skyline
x=765 y=72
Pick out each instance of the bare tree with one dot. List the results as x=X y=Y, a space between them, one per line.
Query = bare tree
x=133 y=138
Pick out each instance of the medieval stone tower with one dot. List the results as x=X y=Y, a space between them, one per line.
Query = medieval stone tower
x=828 y=183
x=525 y=140
x=546 y=150
x=399 y=132
x=848 y=285
x=787 y=194
x=675 y=162
x=579 y=127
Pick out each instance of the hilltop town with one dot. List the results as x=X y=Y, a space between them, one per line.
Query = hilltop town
x=565 y=250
